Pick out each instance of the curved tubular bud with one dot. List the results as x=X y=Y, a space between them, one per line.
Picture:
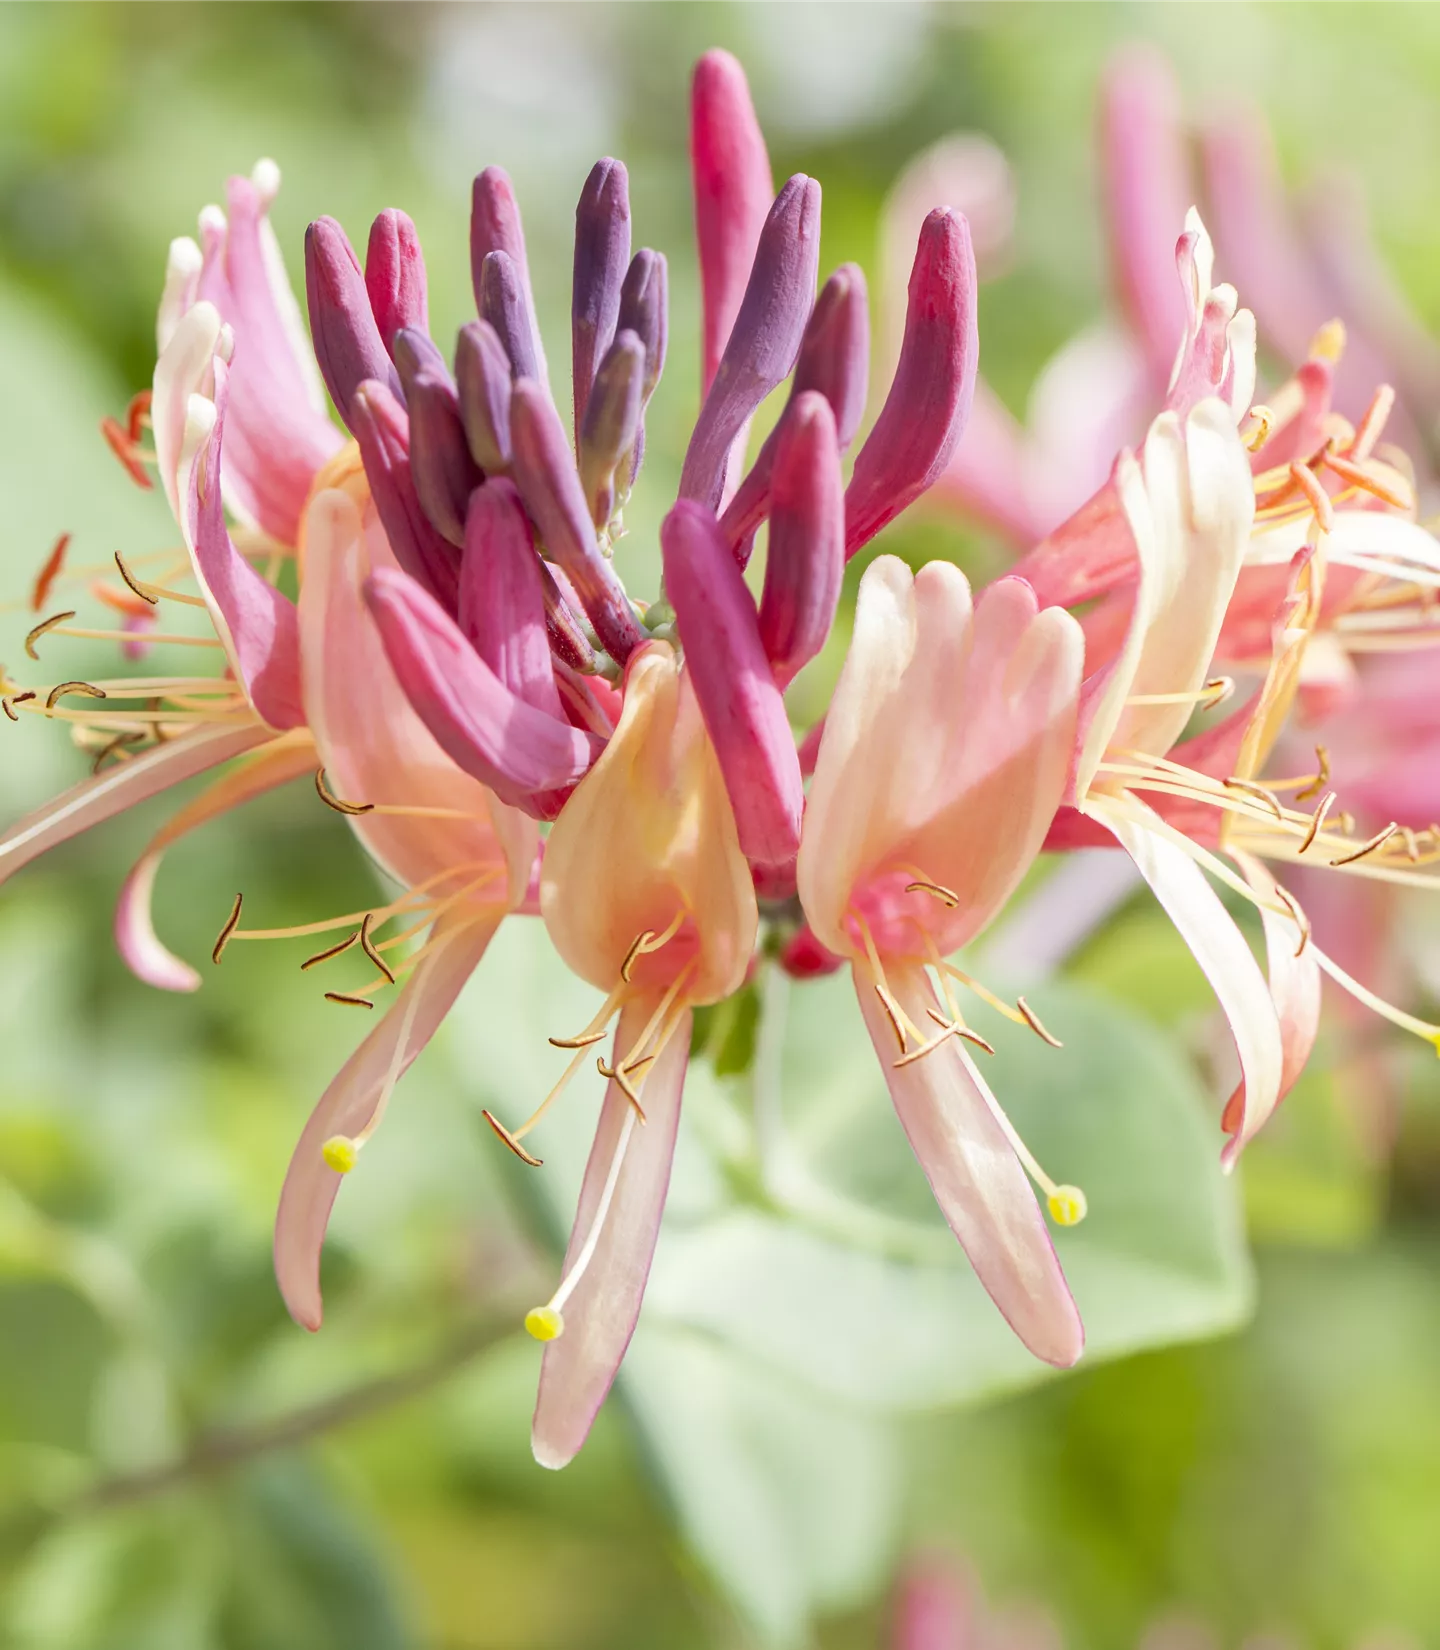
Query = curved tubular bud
x=383 y=431
x=347 y=341
x=645 y=311
x=519 y=752
x=806 y=561
x=733 y=189
x=743 y=709
x=504 y=304
x=482 y=375
x=834 y=359
x=568 y=641
x=765 y=338
x=924 y=414
x=502 y=602
x=395 y=276
x=444 y=473
x=414 y=352
x=550 y=485
x=495 y=227
x=612 y=421
x=602 y=250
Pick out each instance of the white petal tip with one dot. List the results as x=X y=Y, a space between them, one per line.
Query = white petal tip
x=551 y=1459
x=184 y=258
x=265 y=176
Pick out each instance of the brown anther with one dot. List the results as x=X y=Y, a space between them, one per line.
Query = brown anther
x=578 y=1042
x=125 y=448
x=134 y=583
x=231 y=923
x=1259 y=792
x=61 y=688
x=936 y=890
x=1032 y=1019
x=1315 y=495
x=42 y=627
x=1317 y=820
x=338 y=804
x=9 y=709
x=1376 y=842
x=158 y=727
x=351 y=1002
x=511 y=1141
x=330 y=951
x=635 y=1068
x=888 y=1003
x=1217 y=690
x=637 y=946
x=367 y=945
x=49 y=573
x=1302 y=922
x=621 y=1079
x=111 y=746
x=1321 y=779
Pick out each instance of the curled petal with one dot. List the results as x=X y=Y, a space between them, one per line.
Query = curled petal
x=600 y=1316
x=348 y=344
x=395 y=276
x=602 y=251
x=349 y=1105
x=950 y=1118
x=145 y=955
x=733 y=190
x=929 y=401
x=739 y=699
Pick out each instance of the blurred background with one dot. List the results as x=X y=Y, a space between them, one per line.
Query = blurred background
x=1252 y=1448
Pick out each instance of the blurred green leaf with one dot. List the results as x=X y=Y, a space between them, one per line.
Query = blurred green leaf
x=55 y=1344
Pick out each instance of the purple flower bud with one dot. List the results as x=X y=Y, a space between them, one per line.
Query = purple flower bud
x=347 y=342
x=602 y=249
x=502 y=603
x=383 y=431
x=395 y=276
x=445 y=474
x=834 y=359
x=495 y=227
x=414 y=351
x=925 y=413
x=645 y=311
x=742 y=706
x=806 y=561
x=545 y=472
x=482 y=375
x=503 y=304
x=612 y=420
x=766 y=336
x=568 y=642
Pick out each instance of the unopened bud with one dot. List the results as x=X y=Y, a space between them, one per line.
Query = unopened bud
x=445 y=474
x=645 y=311
x=806 y=562
x=503 y=303
x=347 y=341
x=502 y=605
x=482 y=376
x=602 y=249
x=395 y=276
x=414 y=351
x=495 y=227
x=612 y=419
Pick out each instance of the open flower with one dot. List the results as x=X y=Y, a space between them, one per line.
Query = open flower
x=944 y=758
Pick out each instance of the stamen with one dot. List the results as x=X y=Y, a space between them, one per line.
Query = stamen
x=1032 y=1019
x=511 y=1141
x=126 y=449
x=1358 y=477
x=1257 y=434
x=340 y=1153
x=335 y=802
x=42 y=627
x=114 y=747
x=1215 y=692
x=332 y=951
x=1321 y=780
x=367 y=945
x=230 y=924
x=1260 y=792
x=49 y=573
x=1377 y=841
x=962 y=1030
x=636 y=946
x=894 y=1013
x=936 y=890
x=1317 y=820
x=587 y=1041
x=649 y=941
x=1328 y=344
x=948 y=1029
x=1369 y=430
x=1018 y=1015
x=1302 y=922
x=153 y=592
x=1315 y=495
x=344 y=997
x=618 y=1075
x=1347 y=822
x=90 y=634
x=61 y=688
x=1412 y=846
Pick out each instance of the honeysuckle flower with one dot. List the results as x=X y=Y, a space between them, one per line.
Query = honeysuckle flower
x=944 y=757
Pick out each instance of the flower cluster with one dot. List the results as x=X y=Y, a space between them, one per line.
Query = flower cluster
x=509 y=730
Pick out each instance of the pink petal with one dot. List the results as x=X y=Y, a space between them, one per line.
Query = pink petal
x=602 y=252
x=743 y=708
x=395 y=276
x=495 y=227
x=935 y=1609
x=135 y=937
x=925 y=412
x=733 y=190
x=482 y=375
x=441 y=467
x=505 y=304
x=348 y=344
x=1294 y=980
x=949 y=1117
x=123 y=786
x=600 y=1316
x=988 y=475
x=347 y=1106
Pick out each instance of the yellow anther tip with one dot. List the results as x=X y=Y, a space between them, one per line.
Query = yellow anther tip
x=1067 y=1206
x=545 y=1323
x=341 y=1153
x=1329 y=343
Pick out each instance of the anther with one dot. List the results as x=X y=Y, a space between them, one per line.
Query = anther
x=344 y=997
x=1259 y=792
x=578 y=1042
x=49 y=573
x=961 y=1030
x=42 y=627
x=1321 y=779
x=231 y=923
x=545 y=1323
x=1328 y=344
x=1377 y=841
x=888 y=1003
x=330 y=951
x=1315 y=495
x=1317 y=820
x=936 y=890
x=637 y=946
x=1412 y=846
x=1067 y=1205
x=1032 y=1019
x=1366 y=482
x=1302 y=922
x=1368 y=431
x=618 y=1075
x=1257 y=434
x=62 y=688
x=341 y=1153
x=338 y=804
x=8 y=708
x=111 y=746
x=120 y=442
x=1347 y=822
x=367 y=945
x=140 y=590
x=511 y=1141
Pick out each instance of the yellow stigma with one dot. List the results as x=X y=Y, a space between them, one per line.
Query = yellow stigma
x=340 y=1152
x=1067 y=1205
x=1329 y=343
x=545 y=1323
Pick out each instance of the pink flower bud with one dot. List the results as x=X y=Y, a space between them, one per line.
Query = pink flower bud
x=347 y=342
x=602 y=250
x=504 y=304
x=804 y=958
x=806 y=562
x=414 y=351
x=445 y=474
x=495 y=227
x=924 y=414
x=395 y=276
x=611 y=423
x=644 y=310
x=743 y=709
x=482 y=376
